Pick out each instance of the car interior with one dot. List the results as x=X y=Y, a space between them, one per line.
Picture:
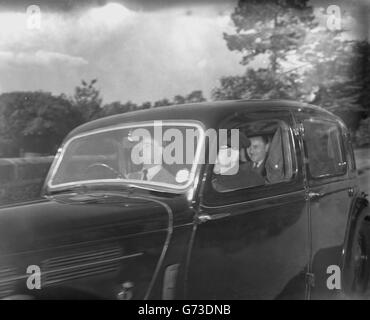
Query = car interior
x=279 y=159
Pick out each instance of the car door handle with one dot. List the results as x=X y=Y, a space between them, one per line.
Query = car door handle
x=351 y=192
x=208 y=217
x=315 y=195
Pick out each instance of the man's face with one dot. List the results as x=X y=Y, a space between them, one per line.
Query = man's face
x=258 y=149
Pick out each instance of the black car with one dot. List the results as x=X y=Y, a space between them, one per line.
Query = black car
x=108 y=227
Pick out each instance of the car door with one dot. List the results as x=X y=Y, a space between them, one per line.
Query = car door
x=330 y=193
x=253 y=243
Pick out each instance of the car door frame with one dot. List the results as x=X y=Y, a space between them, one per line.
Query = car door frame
x=330 y=183
x=296 y=184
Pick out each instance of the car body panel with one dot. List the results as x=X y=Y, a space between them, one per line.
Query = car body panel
x=93 y=246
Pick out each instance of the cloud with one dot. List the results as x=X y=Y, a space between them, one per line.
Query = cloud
x=110 y=16
x=136 y=55
x=69 y=5
x=39 y=58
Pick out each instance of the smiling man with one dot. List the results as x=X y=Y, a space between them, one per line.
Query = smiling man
x=257 y=152
x=231 y=173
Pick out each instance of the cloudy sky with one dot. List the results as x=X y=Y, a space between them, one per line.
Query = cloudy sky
x=140 y=50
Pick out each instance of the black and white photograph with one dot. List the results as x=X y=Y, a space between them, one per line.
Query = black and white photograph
x=189 y=150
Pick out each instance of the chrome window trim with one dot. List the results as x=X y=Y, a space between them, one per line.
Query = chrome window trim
x=254 y=201
x=344 y=162
x=292 y=159
x=130 y=182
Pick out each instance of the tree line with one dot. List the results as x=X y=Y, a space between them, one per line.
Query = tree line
x=38 y=121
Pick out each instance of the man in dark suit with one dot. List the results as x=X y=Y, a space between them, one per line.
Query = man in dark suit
x=232 y=174
x=151 y=171
x=257 y=152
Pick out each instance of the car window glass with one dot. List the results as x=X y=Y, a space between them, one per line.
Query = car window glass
x=264 y=157
x=324 y=151
x=133 y=153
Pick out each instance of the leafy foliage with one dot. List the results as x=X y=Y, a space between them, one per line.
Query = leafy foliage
x=87 y=99
x=271 y=27
x=194 y=97
x=116 y=108
x=363 y=133
x=162 y=103
x=38 y=121
x=301 y=60
x=256 y=84
x=337 y=77
x=32 y=120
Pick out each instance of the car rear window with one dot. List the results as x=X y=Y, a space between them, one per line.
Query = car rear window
x=323 y=142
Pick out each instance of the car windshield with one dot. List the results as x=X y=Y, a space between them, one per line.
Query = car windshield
x=155 y=154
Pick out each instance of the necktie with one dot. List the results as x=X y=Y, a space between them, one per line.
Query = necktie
x=254 y=164
x=145 y=174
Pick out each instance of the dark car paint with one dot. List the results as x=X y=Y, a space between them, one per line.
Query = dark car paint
x=329 y=214
x=125 y=248
x=244 y=254
x=258 y=248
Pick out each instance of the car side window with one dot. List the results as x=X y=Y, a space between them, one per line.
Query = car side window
x=264 y=157
x=324 y=147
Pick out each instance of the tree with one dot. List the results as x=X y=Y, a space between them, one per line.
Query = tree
x=363 y=50
x=146 y=105
x=87 y=99
x=271 y=30
x=35 y=121
x=162 y=103
x=256 y=84
x=269 y=27
x=337 y=75
x=179 y=99
x=117 y=108
x=363 y=133
x=328 y=69
x=195 y=96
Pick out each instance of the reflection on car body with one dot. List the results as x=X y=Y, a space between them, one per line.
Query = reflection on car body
x=107 y=228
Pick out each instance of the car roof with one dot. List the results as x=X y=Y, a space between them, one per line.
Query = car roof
x=209 y=113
